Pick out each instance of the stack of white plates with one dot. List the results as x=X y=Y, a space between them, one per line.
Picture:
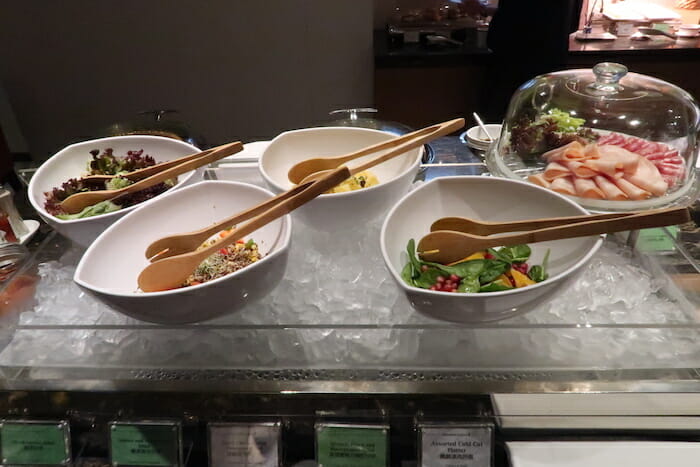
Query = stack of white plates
x=477 y=139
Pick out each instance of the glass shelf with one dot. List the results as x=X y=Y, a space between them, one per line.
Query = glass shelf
x=630 y=322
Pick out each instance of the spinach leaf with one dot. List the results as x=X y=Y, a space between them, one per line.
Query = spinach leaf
x=517 y=253
x=427 y=278
x=539 y=273
x=411 y=249
x=492 y=269
x=471 y=268
x=536 y=273
x=407 y=274
x=493 y=287
x=498 y=255
x=469 y=285
x=512 y=254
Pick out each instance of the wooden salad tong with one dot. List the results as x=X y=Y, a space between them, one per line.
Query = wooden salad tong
x=170 y=272
x=313 y=169
x=447 y=246
x=77 y=202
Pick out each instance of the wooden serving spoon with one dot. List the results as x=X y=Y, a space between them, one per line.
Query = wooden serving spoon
x=75 y=203
x=186 y=242
x=312 y=169
x=172 y=272
x=473 y=226
x=447 y=246
x=140 y=174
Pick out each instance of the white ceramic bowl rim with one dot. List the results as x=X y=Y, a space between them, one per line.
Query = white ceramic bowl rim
x=480 y=141
x=343 y=193
x=501 y=293
x=40 y=206
x=284 y=242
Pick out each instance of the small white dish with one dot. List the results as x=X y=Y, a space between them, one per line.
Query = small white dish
x=246 y=172
x=32 y=227
x=603 y=453
x=251 y=152
x=477 y=139
x=688 y=33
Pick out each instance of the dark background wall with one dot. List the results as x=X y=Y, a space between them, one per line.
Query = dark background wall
x=240 y=69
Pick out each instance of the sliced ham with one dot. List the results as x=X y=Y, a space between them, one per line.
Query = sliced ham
x=591 y=151
x=626 y=160
x=604 y=165
x=633 y=191
x=648 y=177
x=555 y=170
x=563 y=185
x=579 y=169
x=571 y=151
x=609 y=189
x=586 y=188
x=539 y=179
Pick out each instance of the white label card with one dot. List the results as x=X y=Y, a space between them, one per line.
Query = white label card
x=445 y=446
x=244 y=444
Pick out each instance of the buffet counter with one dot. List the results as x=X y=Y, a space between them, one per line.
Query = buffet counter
x=628 y=324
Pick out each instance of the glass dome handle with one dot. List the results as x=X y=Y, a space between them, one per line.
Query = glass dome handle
x=352 y=113
x=607 y=77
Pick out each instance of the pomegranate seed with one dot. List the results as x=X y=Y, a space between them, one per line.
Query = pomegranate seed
x=454 y=277
x=432 y=287
x=489 y=256
x=440 y=279
x=424 y=268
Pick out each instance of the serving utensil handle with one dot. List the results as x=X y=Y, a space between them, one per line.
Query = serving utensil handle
x=204 y=158
x=407 y=142
x=282 y=205
x=148 y=171
x=636 y=221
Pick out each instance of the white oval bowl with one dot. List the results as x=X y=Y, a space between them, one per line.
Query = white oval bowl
x=110 y=267
x=489 y=199
x=335 y=211
x=71 y=162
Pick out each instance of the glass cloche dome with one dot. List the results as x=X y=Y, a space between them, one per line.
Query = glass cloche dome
x=611 y=140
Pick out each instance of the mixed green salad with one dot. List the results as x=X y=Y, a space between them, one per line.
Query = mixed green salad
x=492 y=270
x=105 y=163
x=532 y=136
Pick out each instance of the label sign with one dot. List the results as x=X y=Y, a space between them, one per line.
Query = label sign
x=33 y=443
x=244 y=444
x=657 y=239
x=351 y=445
x=456 y=446
x=145 y=444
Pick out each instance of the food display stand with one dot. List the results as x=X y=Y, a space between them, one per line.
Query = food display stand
x=613 y=357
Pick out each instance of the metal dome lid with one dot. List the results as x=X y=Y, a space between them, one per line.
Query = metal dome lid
x=568 y=130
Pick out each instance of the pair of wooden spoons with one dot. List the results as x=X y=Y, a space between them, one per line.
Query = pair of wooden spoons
x=147 y=177
x=174 y=257
x=454 y=238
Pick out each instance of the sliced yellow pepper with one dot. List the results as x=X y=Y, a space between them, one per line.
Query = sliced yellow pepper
x=477 y=255
x=520 y=279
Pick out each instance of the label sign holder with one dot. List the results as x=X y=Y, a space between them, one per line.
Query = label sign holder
x=357 y=445
x=145 y=443
x=226 y=446
x=459 y=444
x=34 y=442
